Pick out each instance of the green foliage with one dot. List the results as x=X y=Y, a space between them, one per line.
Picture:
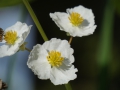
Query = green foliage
x=116 y=4
x=5 y=3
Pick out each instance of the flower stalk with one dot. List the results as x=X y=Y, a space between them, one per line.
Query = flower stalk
x=27 y=49
x=37 y=23
x=68 y=86
x=70 y=40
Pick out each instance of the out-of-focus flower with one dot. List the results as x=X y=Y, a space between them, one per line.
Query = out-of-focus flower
x=53 y=60
x=13 y=38
x=78 y=21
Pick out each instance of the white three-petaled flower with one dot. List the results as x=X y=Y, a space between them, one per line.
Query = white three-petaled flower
x=78 y=21
x=13 y=38
x=53 y=60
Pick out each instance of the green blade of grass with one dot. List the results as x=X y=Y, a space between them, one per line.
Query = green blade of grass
x=106 y=35
x=37 y=23
x=105 y=51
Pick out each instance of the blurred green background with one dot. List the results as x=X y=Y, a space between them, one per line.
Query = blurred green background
x=97 y=56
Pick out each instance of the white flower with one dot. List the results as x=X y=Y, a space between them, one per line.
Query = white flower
x=13 y=38
x=53 y=60
x=78 y=21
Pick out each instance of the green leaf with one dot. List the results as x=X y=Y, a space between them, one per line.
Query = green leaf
x=5 y=3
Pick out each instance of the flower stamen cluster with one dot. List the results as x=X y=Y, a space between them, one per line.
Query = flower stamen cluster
x=75 y=19
x=10 y=37
x=55 y=58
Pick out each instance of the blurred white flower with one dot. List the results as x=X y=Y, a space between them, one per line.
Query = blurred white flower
x=78 y=21
x=53 y=60
x=13 y=38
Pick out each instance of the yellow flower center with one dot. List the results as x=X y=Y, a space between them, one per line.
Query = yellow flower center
x=55 y=58
x=75 y=19
x=10 y=37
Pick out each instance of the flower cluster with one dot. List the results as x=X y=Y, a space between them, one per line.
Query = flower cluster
x=54 y=58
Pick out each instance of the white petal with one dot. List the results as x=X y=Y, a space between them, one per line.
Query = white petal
x=57 y=44
x=63 y=75
x=66 y=51
x=8 y=50
x=19 y=27
x=53 y=44
x=84 y=32
x=62 y=21
x=25 y=34
x=69 y=61
x=34 y=53
x=84 y=12
x=62 y=46
x=38 y=62
x=42 y=70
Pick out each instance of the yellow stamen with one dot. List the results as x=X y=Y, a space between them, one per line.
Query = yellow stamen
x=75 y=19
x=55 y=58
x=10 y=37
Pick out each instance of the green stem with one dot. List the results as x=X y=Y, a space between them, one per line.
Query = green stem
x=71 y=38
x=26 y=3
x=27 y=49
x=68 y=86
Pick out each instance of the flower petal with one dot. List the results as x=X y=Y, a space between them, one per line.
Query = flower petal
x=63 y=75
x=38 y=63
x=8 y=50
x=19 y=27
x=62 y=21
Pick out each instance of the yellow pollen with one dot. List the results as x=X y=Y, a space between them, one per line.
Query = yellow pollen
x=55 y=58
x=75 y=19
x=10 y=37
